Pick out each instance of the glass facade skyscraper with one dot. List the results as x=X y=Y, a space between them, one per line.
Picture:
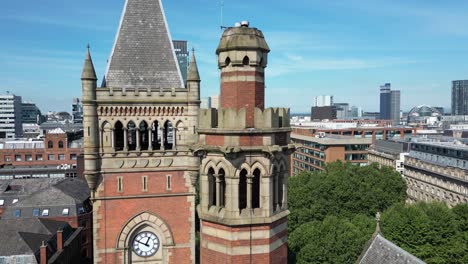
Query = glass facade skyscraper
x=389 y=103
x=460 y=97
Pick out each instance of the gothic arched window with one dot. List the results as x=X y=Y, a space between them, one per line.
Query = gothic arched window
x=243 y=189
x=222 y=188
x=119 y=136
x=144 y=135
x=256 y=189
x=60 y=144
x=131 y=136
x=211 y=187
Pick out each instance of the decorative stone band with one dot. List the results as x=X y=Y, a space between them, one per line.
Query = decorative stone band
x=244 y=240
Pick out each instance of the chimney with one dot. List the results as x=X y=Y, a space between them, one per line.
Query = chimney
x=43 y=253
x=59 y=240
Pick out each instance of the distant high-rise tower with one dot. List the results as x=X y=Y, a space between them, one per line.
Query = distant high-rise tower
x=389 y=103
x=395 y=106
x=182 y=54
x=323 y=100
x=385 y=98
x=460 y=97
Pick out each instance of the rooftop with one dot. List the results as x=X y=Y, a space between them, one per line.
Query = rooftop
x=329 y=139
x=382 y=250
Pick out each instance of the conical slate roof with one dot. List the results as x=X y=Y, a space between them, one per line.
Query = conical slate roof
x=143 y=54
x=193 y=74
x=88 y=69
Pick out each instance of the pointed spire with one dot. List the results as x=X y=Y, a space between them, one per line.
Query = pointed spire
x=193 y=69
x=88 y=69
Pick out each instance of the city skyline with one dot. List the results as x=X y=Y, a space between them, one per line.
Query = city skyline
x=346 y=49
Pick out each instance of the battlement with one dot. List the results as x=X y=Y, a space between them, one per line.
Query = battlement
x=129 y=94
x=233 y=119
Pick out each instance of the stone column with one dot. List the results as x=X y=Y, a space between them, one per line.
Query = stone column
x=150 y=139
x=204 y=192
x=218 y=189
x=249 y=191
x=174 y=137
x=276 y=191
x=161 y=131
x=138 y=139
x=113 y=139
x=125 y=139
x=285 y=190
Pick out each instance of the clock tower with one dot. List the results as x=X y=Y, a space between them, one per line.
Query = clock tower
x=138 y=127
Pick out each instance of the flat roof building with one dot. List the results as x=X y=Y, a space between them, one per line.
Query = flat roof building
x=314 y=151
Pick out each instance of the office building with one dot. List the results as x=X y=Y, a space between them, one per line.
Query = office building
x=389 y=103
x=356 y=112
x=30 y=113
x=317 y=149
x=342 y=111
x=460 y=97
x=54 y=156
x=323 y=100
x=10 y=116
x=182 y=54
x=390 y=153
x=77 y=111
x=323 y=113
x=436 y=169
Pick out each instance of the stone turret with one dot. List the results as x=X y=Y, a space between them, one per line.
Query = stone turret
x=245 y=160
x=90 y=121
x=242 y=59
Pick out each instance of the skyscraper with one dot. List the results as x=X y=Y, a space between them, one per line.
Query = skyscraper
x=10 y=116
x=182 y=54
x=460 y=97
x=323 y=100
x=395 y=106
x=385 y=91
x=389 y=103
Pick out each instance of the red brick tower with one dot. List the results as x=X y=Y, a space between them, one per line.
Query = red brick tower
x=245 y=160
x=138 y=129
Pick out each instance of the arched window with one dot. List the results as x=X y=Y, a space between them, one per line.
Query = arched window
x=60 y=144
x=256 y=189
x=168 y=135
x=228 y=61
x=222 y=188
x=131 y=136
x=243 y=189
x=119 y=136
x=211 y=188
x=156 y=136
x=144 y=135
x=50 y=144
x=246 y=61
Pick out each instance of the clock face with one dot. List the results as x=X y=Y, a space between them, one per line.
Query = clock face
x=145 y=244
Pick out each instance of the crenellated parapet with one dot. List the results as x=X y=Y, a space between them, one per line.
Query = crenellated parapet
x=269 y=118
x=143 y=95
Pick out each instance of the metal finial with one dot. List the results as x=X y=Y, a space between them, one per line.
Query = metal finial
x=87 y=46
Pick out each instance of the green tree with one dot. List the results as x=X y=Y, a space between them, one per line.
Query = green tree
x=432 y=232
x=333 y=240
x=343 y=190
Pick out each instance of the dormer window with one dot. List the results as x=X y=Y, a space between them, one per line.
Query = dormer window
x=14 y=201
x=45 y=212
x=2 y=202
x=36 y=212
x=66 y=211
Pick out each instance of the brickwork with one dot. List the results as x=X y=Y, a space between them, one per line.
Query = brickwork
x=248 y=95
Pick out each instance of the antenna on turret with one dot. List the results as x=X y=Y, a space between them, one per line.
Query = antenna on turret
x=222 y=16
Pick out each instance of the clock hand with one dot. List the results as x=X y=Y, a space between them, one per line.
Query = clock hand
x=147 y=242
x=141 y=243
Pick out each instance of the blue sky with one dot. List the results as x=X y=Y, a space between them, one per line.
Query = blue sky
x=346 y=48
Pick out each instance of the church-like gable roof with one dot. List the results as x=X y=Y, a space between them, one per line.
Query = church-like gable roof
x=143 y=54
